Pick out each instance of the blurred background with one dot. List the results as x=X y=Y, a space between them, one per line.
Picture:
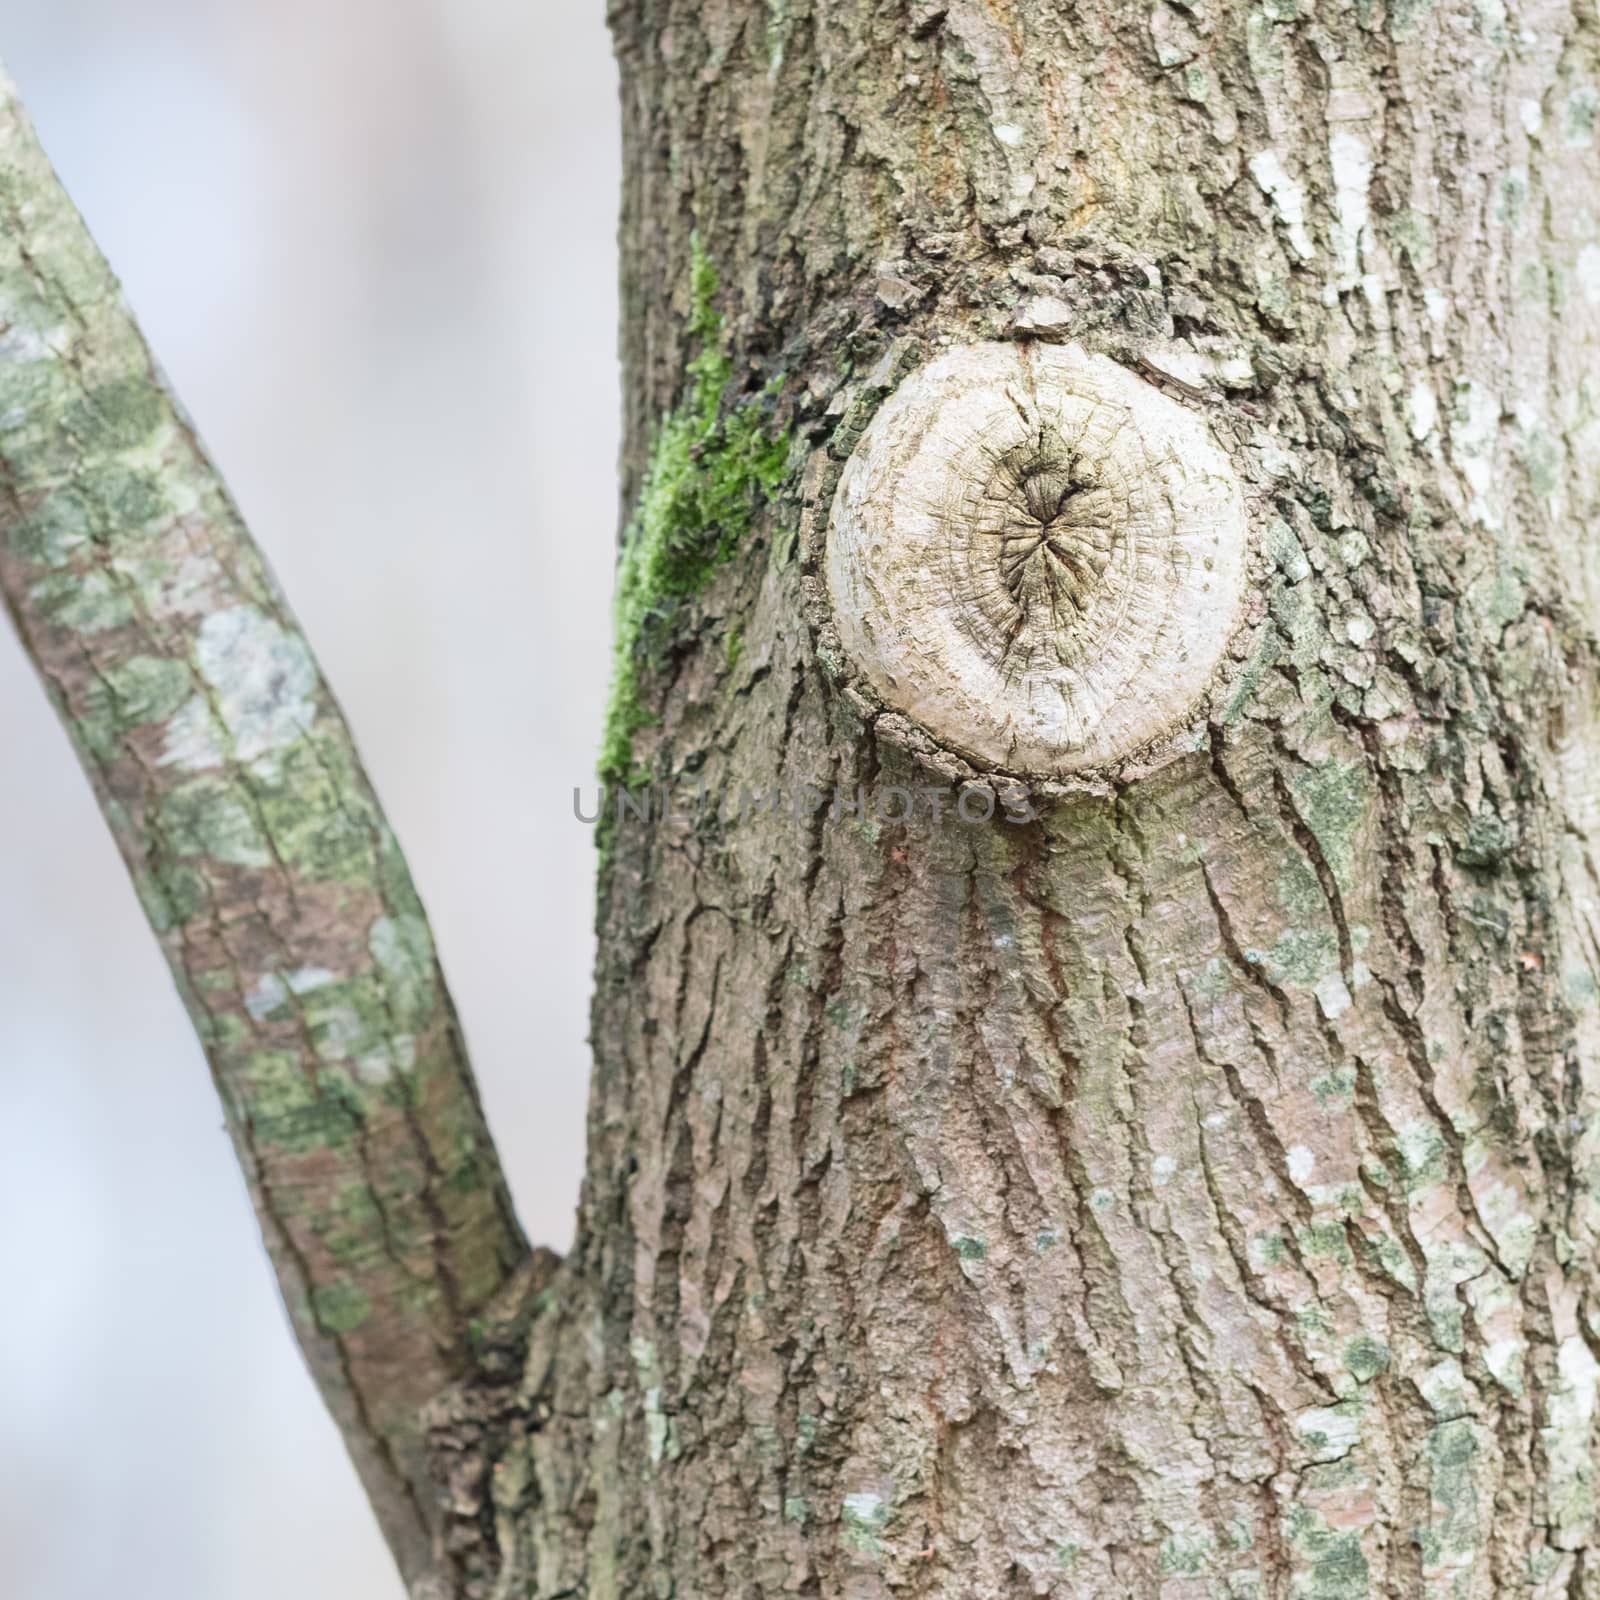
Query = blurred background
x=373 y=245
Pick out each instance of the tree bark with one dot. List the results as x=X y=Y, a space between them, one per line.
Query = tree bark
x=1193 y=1191
x=259 y=853
x=1184 y=1182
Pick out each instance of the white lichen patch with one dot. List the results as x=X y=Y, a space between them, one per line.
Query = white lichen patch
x=1568 y=1443
x=1474 y=431
x=267 y=995
x=193 y=740
x=377 y=1067
x=403 y=950
x=173 y=579
x=1504 y=1359
x=1351 y=162
x=1234 y=370
x=1587 y=273
x=1333 y=996
x=655 y=1422
x=1329 y=1433
x=271 y=992
x=262 y=677
x=339 y=1032
x=1178 y=362
x=1444 y=1387
x=21 y=344
x=1422 y=409
x=1288 y=199
x=865 y=1515
x=1503 y=1209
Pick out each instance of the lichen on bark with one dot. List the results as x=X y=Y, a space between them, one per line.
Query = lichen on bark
x=1192 y=1193
x=257 y=847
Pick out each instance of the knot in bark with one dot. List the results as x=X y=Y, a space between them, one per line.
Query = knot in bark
x=1038 y=557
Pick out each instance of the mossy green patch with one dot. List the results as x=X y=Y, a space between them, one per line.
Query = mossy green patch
x=355 y=1221
x=1388 y=1255
x=1544 y=454
x=1513 y=197
x=1185 y=1554
x=1212 y=981
x=1324 y=1240
x=1267 y=653
x=353 y=1021
x=340 y=1307
x=1299 y=891
x=1487 y=841
x=172 y=896
x=82 y=602
x=1412 y=232
x=210 y=817
x=1301 y=955
x=1455 y=1529
x=1424 y=1156
x=315 y=806
x=1337 y=1565
x=1335 y=1087
x=1333 y=801
x=116 y=416
x=1365 y=1357
x=1269 y=1249
x=223 y=1030
x=142 y=689
x=289 y=1110
x=129 y=503
x=50 y=532
x=709 y=468
x=1404 y=15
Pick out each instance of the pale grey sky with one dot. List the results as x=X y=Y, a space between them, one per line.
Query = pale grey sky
x=373 y=244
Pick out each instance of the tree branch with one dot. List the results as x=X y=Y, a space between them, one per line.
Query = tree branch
x=257 y=847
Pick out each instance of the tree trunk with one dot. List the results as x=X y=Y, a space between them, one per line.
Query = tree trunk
x=1182 y=1181
x=1191 y=1191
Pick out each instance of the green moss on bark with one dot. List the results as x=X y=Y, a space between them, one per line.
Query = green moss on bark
x=708 y=471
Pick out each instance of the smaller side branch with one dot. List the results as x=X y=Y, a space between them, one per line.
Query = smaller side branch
x=257 y=848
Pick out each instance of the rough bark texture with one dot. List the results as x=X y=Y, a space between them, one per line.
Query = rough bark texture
x=258 y=850
x=1192 y=1192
